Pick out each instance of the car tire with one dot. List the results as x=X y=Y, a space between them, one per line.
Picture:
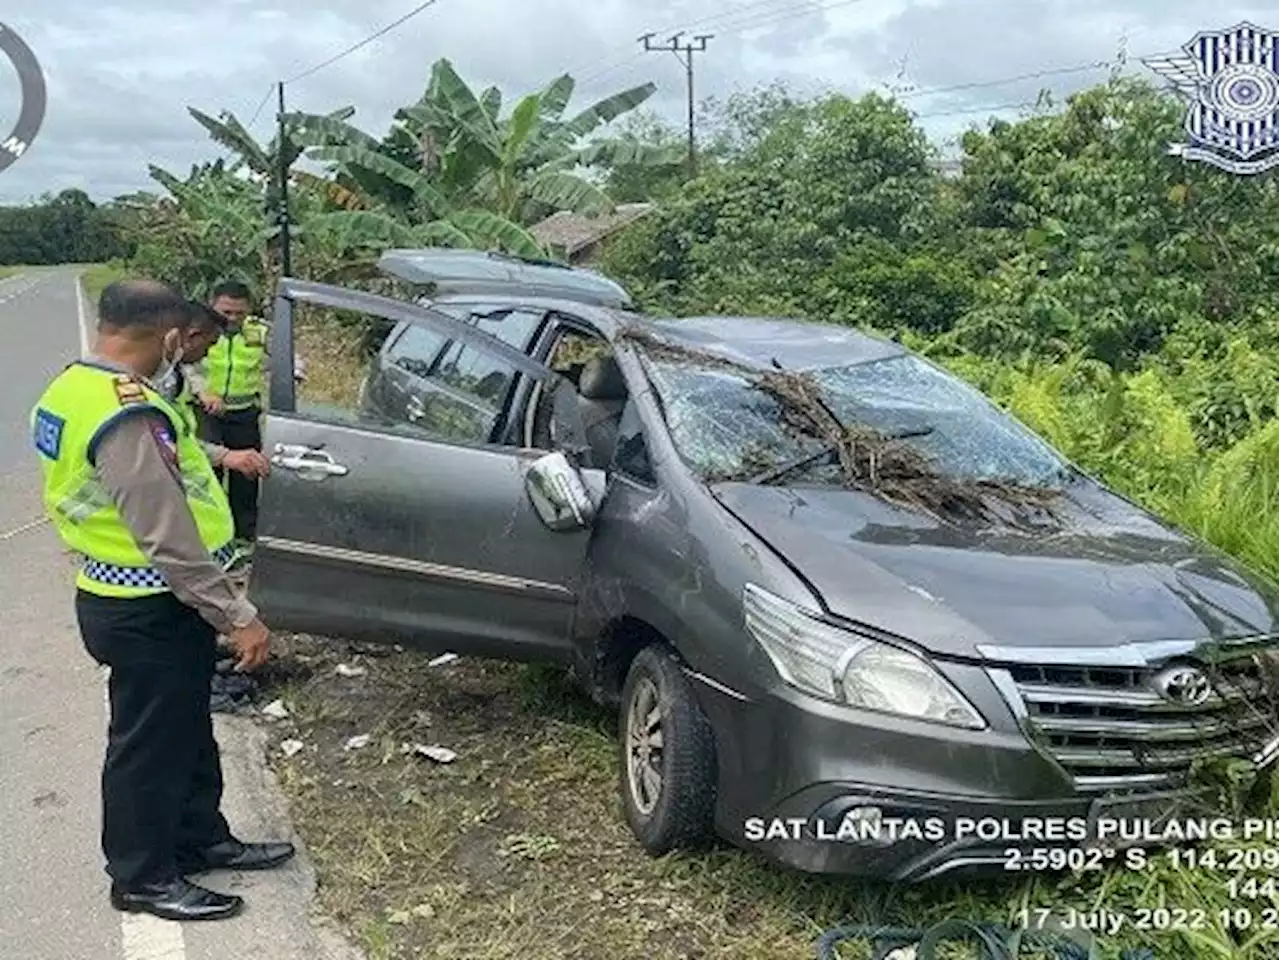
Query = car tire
x=677 y=809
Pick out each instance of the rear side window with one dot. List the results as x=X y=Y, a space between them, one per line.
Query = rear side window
x=475 y=373
x=414 y=350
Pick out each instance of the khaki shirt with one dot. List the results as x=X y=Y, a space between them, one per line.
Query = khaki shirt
x=147 y=490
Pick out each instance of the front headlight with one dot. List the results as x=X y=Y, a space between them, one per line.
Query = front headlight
x=837 y=664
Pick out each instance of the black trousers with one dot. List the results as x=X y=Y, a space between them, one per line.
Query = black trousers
x=162 y=779
x=238 y=430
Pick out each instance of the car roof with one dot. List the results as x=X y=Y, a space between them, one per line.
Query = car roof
x=768 y=343
x=752 y=341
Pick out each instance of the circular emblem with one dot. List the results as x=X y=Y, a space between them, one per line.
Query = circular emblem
x=1246 y=91
x=1184 y=685
x=34 y=97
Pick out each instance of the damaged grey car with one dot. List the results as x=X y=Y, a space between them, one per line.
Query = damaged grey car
x=821 y=581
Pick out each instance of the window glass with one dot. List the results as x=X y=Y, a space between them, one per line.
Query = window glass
x=513 y=327
x=475 y=373
x=414 y=350
x=729 y=428
x=412 y=389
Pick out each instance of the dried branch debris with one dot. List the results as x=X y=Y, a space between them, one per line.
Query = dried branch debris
x=868 y=460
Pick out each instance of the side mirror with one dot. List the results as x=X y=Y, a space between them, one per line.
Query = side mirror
x=559 y=495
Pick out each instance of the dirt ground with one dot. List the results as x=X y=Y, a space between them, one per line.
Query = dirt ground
x=518 y=847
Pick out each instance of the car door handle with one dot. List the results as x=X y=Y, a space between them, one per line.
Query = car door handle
x=414 y=409
x=307 y=460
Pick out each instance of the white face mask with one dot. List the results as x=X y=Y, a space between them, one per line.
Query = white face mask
x=165 y=377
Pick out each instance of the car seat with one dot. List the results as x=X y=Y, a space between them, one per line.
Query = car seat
x=602 y=395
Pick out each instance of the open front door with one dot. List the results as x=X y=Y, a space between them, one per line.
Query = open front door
x=417 y=531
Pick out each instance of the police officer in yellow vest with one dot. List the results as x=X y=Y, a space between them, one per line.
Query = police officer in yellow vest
x=203 y=331
x=229 y=384
x=128 y=487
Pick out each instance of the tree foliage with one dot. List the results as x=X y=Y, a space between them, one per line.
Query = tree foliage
x=66 y=228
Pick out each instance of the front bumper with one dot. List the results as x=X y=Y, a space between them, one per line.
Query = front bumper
x=947 y=800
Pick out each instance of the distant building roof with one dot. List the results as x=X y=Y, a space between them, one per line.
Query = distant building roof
x=572 y=232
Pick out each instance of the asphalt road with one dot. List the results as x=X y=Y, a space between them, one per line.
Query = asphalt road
x=53 y=891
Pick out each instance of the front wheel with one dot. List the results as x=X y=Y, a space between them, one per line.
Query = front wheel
x=668 y=756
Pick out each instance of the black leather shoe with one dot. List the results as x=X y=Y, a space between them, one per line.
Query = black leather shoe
x=235 y=855
x=177 y=900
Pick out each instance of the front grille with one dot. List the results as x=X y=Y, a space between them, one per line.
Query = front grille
x=1111 y=729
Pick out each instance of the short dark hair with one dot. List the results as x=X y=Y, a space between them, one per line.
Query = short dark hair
x=137 y=305
x=204 y=317
x=231 y=289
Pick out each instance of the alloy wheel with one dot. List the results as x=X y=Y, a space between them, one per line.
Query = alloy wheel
x=644 y=746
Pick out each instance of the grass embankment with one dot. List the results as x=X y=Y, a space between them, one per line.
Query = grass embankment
x=96 y=277
x=519 y=850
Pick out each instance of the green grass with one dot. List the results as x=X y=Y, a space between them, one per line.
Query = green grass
x=519 y=851
x=96 y=277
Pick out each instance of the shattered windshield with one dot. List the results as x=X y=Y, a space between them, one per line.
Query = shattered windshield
x=727 y=427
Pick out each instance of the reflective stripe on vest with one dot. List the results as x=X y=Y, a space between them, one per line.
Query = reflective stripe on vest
x=68 y=422
x=147 y=578
x=235 y=364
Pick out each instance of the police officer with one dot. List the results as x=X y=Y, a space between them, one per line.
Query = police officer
x=127 y=486
x=204 y=328
x=229 y=385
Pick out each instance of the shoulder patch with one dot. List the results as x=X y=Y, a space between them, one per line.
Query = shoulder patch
x=165 y=440
x=48 y=433
x=128 y=390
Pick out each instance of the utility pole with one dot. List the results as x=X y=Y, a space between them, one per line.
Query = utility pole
x=684 y=53
x=286 y=261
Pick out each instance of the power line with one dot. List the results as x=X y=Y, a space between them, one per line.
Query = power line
x=685 y=27
x=1001 y=81
x=990 y=108
x=261 y=103
x=365 y=42
x=759 y=18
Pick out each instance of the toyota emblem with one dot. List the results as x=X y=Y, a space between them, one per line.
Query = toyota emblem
x=1184 y=685
x=32 y=92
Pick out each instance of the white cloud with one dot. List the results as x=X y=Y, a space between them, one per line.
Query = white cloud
x=121 y=75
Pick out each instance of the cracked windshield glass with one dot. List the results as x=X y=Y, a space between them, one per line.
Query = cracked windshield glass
x=727 y=427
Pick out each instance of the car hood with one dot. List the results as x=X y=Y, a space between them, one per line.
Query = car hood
x=1110 y=574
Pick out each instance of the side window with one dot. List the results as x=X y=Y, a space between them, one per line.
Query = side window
x=474 y=373
x=514 y=327
x=631 y=456
x=423 y=386
x=414 y=350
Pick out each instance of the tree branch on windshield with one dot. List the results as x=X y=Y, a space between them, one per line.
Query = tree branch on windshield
x=868 y=460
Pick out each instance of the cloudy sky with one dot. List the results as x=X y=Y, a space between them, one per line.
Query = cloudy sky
x=121 y=74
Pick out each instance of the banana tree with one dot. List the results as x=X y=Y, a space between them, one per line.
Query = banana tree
x=261 y=161
x=527 y=163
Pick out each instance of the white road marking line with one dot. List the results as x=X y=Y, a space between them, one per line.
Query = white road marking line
x=142 y=936
x=150 y=938
x=80 y=316
x=10 y=534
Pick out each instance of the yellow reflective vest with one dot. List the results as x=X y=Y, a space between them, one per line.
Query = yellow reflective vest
x=67 y=424
x=235 y=365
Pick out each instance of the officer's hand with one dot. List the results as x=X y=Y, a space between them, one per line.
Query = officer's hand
x=210 y=403
x=251 y=643
x=249 y=462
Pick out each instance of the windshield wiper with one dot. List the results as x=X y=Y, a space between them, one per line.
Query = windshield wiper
x=823 y=456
